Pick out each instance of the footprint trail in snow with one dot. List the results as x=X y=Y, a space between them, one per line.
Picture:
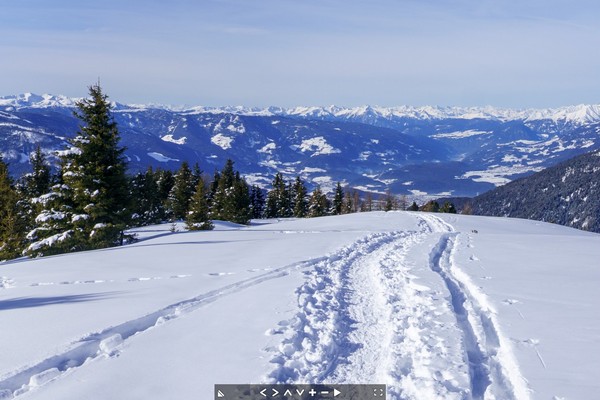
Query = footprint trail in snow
x=365 y=316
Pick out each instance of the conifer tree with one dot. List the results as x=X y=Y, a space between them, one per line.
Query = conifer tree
x=299 y=193
x=37 y=182
x=413 y=207
x=58 y=228
x=238 y=205
x=257 y=202
x=165 y=181
x=338 y=200
x=348 y=205
x=95 y=172
x=182 y=192
x=147 y=207
x=12 y=224
x=448 y=207
x=318 y=204
x=198 y=216
x=231 y=197
x=278 y=199
x=89 y=208
x=431 y=206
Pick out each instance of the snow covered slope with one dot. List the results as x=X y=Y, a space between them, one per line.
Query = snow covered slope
x=436 y=306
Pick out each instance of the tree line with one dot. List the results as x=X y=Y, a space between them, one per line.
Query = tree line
x=91 y=201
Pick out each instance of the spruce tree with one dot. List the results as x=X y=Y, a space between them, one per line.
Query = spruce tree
x=58 y=228
x=147 y=207
x=12 y=224
x=95 y=172
x=230 y=196
x=413 y=207
x=182 y=192
x=448 y=207
x=338 y=200
x=299 y=194
x=431 y=206
x=257 y=202
x=318 y=204
x=89 y=208
x=38 y=181
x=165 y=181
x=198 y=216
x=278 y=199
x=239 y=201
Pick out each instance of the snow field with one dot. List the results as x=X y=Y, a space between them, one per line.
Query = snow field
x=418 y=301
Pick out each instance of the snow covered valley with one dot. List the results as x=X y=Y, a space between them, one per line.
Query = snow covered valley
x=434 y=306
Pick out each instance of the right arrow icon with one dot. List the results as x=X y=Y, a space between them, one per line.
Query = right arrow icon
x=336 y=392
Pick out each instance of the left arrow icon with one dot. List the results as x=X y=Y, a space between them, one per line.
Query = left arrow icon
x=263 y=392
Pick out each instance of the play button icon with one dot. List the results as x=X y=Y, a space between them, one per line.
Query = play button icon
x=336 y=392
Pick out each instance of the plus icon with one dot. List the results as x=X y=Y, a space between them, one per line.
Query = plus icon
x=312 y=392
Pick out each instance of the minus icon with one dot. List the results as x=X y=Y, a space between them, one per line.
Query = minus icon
x=324 y=391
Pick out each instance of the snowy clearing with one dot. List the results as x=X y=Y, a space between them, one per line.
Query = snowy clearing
x=434 y=306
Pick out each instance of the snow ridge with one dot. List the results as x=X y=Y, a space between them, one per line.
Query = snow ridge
x=578 y=114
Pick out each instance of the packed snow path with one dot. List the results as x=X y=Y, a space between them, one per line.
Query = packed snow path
x=363 y=317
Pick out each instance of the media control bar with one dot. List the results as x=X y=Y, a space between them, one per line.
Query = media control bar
x=299 y=392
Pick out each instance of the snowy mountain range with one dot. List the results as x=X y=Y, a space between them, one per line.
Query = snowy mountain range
x=458 y=151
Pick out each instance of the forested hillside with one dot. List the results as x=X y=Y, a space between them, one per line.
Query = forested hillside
x=566 y=194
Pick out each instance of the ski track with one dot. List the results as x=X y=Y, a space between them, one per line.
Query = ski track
x=362 y=317
x=493 y=368
x=108 y=342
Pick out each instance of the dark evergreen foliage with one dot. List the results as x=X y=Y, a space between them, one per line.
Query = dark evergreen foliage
x=278 y=199
x=230 y=196
x=318 y=204
x=147 y=207
x=337 y=205
x=299 y=193
x=566 y=194
x=12 y=223
x=413 y=207
x=257 y=202
x=182 y=191
x=431 y=206
x=90 y=207
x=448 y=208
x=198 y=216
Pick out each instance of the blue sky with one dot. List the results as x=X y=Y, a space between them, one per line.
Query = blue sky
x=508 y=53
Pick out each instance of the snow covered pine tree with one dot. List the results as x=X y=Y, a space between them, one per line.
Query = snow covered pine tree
x=92 y=201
